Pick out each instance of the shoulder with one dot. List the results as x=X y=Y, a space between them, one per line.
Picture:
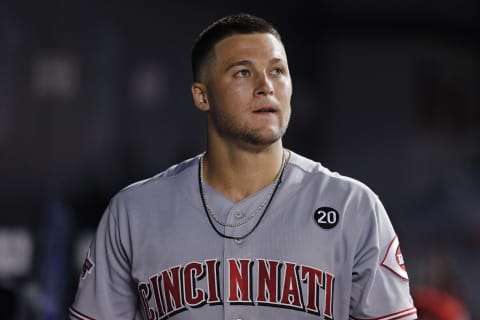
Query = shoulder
x=160 y=184
x=310 y=172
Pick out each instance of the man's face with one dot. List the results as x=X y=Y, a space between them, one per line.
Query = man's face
x=249 y=89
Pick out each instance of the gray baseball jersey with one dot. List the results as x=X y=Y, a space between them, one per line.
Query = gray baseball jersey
x=324 y=248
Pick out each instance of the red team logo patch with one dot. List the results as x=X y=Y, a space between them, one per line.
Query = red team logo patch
x=394 y=261
x=88 y=266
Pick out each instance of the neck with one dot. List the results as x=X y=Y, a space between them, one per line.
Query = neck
x=238 y=173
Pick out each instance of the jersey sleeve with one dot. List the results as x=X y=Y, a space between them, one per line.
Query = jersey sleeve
x=106 y=289
x=380 y=286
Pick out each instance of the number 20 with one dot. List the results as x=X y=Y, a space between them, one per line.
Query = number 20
x=329 y=217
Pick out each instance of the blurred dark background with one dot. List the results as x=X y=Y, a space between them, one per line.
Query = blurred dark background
x=96 y=96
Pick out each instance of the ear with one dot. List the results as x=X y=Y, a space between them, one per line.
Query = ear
x=199 y=94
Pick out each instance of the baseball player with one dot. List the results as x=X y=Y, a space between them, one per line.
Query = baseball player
x=248 y=229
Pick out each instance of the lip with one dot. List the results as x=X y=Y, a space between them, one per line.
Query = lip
x=265 y=109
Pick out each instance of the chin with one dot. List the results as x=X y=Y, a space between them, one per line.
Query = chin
x=265 y=138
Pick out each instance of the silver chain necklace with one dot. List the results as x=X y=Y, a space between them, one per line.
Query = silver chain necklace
x=263 y=206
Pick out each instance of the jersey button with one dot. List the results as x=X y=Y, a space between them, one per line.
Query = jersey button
x=238 y=214
x=238 y=241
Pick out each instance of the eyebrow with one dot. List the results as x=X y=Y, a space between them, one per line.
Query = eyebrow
x=249 y=63
x=238 y=63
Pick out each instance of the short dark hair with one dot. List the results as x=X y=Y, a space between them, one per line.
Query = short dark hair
x=225 y=27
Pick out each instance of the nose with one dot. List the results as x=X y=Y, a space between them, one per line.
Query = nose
x=264 y=86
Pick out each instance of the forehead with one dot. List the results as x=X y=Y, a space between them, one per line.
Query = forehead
x=257 y=46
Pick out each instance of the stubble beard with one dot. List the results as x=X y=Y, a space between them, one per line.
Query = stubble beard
x=227 y=128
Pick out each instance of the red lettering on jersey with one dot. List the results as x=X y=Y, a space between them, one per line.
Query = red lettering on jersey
x=268 y=273
x=145 y=295
x=173 y=290
x=158 y=297
x=212 y=278
x=314 y=279
x=291 y=295
x=400 y=260
x=328 y=287
x=240 y=285
x=176 y=288
x=193 y=295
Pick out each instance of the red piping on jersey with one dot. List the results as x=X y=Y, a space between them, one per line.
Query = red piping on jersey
x=78 y=315
x=396 y=315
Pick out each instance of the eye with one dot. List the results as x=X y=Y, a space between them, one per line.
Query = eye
x=277 y=71
x=242 y=73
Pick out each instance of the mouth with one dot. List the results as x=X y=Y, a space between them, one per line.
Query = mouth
x=265 y=110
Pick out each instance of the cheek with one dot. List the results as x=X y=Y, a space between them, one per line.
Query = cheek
x=226 y=101
x=238 y=91
x=285 y=89
x=287 y=113
x=288 y=87
x=228 y=94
